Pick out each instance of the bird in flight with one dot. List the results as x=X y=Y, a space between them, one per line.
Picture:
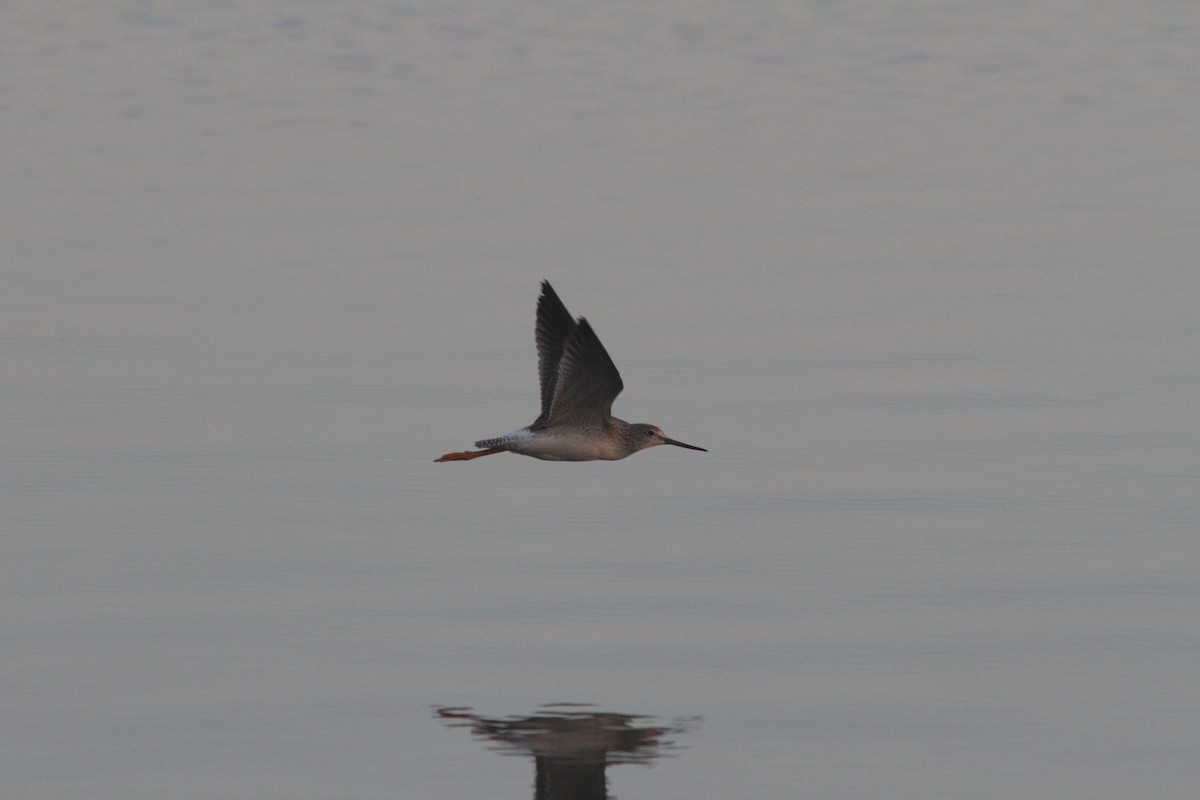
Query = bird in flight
x=579 y=383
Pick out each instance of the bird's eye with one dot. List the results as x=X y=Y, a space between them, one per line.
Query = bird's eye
x=650 y=433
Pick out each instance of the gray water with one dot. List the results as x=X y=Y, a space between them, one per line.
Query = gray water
x=921 y=276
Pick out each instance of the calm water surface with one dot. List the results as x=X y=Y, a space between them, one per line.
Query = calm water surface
x=921 y=276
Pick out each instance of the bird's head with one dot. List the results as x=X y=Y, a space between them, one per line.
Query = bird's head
x=646 y=435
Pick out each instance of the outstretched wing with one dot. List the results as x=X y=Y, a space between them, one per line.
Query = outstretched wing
x=554 y=325
x=587 y=381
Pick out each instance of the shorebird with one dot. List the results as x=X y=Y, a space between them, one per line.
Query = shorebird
x=579 y=383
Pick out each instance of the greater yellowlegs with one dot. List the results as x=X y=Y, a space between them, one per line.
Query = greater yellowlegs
x=579 y=383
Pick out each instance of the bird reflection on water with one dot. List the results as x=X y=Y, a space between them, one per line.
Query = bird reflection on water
x=572 y=748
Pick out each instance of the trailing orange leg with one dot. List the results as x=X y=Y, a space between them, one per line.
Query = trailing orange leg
x=467 y=455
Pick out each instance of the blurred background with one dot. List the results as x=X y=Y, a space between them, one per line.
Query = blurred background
x=920 y=275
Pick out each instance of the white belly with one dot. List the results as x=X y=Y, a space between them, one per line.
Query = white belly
x=557 y=446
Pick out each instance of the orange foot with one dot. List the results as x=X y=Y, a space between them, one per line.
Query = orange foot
x=467 y=455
